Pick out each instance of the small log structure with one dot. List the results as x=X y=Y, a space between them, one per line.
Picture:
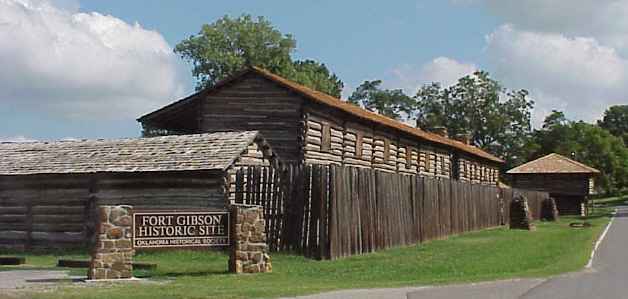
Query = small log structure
x=568 y=181
x=49 y=191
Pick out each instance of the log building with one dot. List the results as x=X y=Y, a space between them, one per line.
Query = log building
x=49 y=190
x=307 y=126
x=569 y=182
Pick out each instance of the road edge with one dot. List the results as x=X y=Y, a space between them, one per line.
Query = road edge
x=599 y=241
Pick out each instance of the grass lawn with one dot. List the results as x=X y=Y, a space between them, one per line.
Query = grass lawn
x=485 y=255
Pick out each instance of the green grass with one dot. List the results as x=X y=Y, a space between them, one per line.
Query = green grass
x=610 y=201
x=485 y=255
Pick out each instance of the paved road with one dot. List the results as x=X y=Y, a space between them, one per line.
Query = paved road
x=607 y=278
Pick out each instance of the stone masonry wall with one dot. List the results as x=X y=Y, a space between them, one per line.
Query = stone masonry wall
x=112 y=254
x=249 y=253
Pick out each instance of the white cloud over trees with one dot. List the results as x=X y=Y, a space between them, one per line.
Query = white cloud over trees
x=570 y=55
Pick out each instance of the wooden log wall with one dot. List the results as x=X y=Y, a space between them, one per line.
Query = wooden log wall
x=329 y=140
x=371 y=210
x=263 y=186
x=253 y=156
x=38 y=214
x=255 y=103
x=564 y=184
x=332 y=211
x=59 y=211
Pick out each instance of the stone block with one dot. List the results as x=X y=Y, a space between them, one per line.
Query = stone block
x=249 y=238
x=114 y=233
x=112 y=256
x=123 y=221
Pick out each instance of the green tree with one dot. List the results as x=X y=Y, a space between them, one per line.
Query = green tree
x=497 y=119
x=616 y=121
x=393 y=103
x=316 y=75
x=230 y=44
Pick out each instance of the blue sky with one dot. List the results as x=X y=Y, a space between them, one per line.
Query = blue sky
x=87 y=69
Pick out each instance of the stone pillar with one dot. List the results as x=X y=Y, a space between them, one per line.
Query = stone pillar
x=249 y=252
x=550 y=210
x=112 y=254
x=520 y=217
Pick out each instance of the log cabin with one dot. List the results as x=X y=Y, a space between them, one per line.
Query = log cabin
x=306 y=126
x=568 y=181
x=49 y=191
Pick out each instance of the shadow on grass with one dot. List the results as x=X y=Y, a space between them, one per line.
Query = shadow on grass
x=44 y=252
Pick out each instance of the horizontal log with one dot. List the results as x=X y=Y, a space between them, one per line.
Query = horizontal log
x=62 y=237
x=13 y=210
x=313 y=140
x=323 y=156
x=13 y=235
x=58 y=210
x=12 y=218
x=41 y=219
x=314 y=125
x=59 y=227
x=321 y=161
x=16 y=226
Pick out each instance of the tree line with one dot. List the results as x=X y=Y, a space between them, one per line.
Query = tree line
x=495 y=119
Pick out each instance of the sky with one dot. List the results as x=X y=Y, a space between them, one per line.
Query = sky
x=87 y=69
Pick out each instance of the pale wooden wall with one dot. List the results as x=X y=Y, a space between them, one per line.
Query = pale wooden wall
x=255 y=103
x=58 y=211
x=330 y=139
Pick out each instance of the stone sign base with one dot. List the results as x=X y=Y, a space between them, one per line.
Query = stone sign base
x=249 y=252
x=112 y=255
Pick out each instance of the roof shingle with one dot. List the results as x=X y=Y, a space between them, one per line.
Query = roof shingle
x=213 y=151
x=553 y=163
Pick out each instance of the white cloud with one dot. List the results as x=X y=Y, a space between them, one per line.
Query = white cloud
x=443 y=70
x=604 y=19
x=576 y=74
x=73 y=64
x=18 y=138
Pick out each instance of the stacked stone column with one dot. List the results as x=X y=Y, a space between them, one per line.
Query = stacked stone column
x=112 y=255
x=249 y=252
x=520 y=217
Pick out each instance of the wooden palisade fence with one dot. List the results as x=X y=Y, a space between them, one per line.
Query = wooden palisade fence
x=327 y=212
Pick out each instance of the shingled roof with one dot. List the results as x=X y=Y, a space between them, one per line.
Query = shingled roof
x=331 y=101
x=214 y=151
x=553 y=163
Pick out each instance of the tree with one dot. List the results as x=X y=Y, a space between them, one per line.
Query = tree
x=616 y=121
x=316 y=75
x=228 y=45
x=497 y=119
x=391 y=103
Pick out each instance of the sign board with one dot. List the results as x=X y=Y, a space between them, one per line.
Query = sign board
x=169 y=229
